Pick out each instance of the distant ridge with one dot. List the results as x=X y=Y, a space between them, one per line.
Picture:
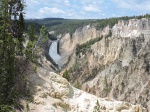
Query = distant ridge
x=46 y=19
x=53 y=18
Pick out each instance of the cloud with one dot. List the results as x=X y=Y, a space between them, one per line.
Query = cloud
x=67 y=3
x=63 y=8
x=53 y=10
x=85 y=8
x=35 y=2
x=133 y=4
x=91 y=8
x=98 y=2
x=113 y=15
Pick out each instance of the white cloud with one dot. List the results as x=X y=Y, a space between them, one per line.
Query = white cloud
x=82 y=12
x=36 y=2
x=114 y=15
x=92 y=1
x=91 y=8
x=63 y=8
x=133 y=4
x=67 y=3
x=53 y=10
x=85 y=8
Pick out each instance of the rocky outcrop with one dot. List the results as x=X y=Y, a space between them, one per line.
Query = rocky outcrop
x=126 y=72
x=81 y=35
x=131 y=28
x=119 y=66
x=52 y=93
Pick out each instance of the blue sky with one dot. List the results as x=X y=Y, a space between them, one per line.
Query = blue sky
x=85 y=9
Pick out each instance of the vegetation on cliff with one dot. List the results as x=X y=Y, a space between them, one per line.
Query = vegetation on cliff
x=59 y=25
x=63 y=26
x=66 y=75
x=12 y=39
x=83 y=47
x=12 y=26
x=100 y=24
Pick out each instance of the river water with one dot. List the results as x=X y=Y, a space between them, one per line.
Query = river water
x=53 y=52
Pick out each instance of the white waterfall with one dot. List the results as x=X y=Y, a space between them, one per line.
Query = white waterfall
x=53 y=52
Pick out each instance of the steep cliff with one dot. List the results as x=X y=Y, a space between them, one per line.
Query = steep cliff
x=81 y=35
x=125 y=74
x=52 y=93
x=131 y=28
x=118 y=66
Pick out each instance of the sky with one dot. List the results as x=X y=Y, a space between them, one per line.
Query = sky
x=85 y=9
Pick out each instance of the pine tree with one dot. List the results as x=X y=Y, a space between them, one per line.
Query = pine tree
x=66 y=75
x=9 y=34
x=106 y=89
x=35 y=41
x=32 y=33
x=6 y=55
x=30 y=48
x=97 y=107
x=21 y=27
x=43 y=35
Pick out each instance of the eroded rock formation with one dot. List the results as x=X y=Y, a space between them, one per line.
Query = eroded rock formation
x=117 y=66
x=52 y=93
x=81 y=35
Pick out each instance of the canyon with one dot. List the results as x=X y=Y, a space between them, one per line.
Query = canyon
x=52 y=93
x=109 y=70
x=117 y=66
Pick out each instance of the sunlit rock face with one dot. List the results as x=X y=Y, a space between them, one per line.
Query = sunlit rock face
x=119 y=66
x=131 y=28
x=123 y=71
x=126 y=72
x=52 y=93
x=81 y=35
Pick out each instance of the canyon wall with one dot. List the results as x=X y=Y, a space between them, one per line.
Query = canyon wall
x=83 y=34
x=131 y=28
x=124 y=71
x=117 y=66
x=52 y=93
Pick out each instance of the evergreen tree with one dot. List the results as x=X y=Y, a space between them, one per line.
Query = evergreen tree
x=35 y=41
x=21 y=27
x=97 y=107
x=43 y=35
x=106 y=89
x=9 y=35
x=32 y=37
x=32 y=33
x=66 y=75
x=7 y=62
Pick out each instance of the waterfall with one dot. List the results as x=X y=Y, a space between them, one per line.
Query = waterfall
x=53 y=52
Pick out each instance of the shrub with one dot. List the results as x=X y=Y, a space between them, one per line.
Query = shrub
x=6 y=108
x=83 y=47
x=97 y=107
x=66 y=75
x=78 y=85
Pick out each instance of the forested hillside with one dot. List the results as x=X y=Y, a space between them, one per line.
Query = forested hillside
x=13 y=52
x=63 y=26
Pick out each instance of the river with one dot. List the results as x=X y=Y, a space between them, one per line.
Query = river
x=53 y=52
